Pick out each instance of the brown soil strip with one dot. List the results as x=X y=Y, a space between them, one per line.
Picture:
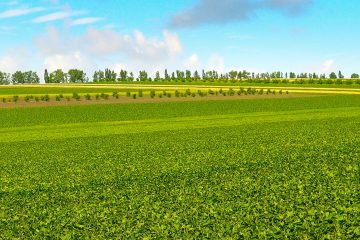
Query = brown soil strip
x=145 y=99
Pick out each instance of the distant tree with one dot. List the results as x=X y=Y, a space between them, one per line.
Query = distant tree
x=340 y=75
x=354 y=75
x=31 y=77
x=46 y=76
x=143 y=76
x=196 y=76
x=292 y=75
x=25 y=77
x=58 y=76
x=123 y=76
x=233 y=75
x=157 y=76
x=76 y=76
x=99 y=76
x=332 y=75
x=188 y=75
x=4 y=78
x=166 y=75
x=18 y=77
x=110 y=75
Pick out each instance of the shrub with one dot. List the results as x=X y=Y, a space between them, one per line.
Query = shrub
x=140 y=93
x=58 y=98
x=211 y=92
x=4 y=100
x=88 y=97
x=281 y=92
x=104 y=96
x=128 y=93
x=152 y=94
x=37 y=99
x=27 y=98
x=188 y=92
x=231 y=92
x=15 y=98
x=134 y=96
x=61 y=96
x=193 y=94
x=177 y=93
x=160 y=95
x=97 y=96
x=75 y=95
x=168 y=95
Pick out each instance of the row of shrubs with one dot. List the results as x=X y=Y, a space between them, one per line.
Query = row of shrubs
x=153 y=94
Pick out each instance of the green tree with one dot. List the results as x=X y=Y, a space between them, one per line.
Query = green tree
x=18 y=77
x=354 y=75
x=332 y=75
x=31 y=77
x=340 y=75
x=58 y=76
x=46 y=76
x=76 y=76
x=110 y=75
x=4 y=78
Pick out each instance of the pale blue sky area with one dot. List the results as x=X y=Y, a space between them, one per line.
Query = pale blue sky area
x=257 y=35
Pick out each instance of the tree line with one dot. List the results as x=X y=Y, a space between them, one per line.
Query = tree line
x=108 y=75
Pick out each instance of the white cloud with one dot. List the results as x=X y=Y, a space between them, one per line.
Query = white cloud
x=328 y=65
x=216 y=62
x=84 y=21
x=193 y=62
x=56 y=16
x=15 y=59
x=20 y=12
x=98 y=48
x=68 y=61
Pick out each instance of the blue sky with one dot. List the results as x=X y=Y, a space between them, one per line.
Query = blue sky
x=257 y=35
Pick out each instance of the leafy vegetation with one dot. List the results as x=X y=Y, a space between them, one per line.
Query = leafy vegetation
x=253 y=169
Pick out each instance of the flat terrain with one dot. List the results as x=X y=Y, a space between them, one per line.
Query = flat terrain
x=256 y=167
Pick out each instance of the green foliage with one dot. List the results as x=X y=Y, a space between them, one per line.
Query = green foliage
x=15 y=99
x=76 y=76
x=249 y=169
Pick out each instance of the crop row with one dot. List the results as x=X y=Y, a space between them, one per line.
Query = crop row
x=141 y=93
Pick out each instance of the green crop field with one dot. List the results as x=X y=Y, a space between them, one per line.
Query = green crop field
x=284 y=168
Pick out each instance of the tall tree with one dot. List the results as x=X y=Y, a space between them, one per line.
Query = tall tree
x=340 y=75
x=46 y=76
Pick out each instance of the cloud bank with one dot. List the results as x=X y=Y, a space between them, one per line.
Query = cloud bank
x=225 y=11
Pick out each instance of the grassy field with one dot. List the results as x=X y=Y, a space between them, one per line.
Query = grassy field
x=240 y=169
